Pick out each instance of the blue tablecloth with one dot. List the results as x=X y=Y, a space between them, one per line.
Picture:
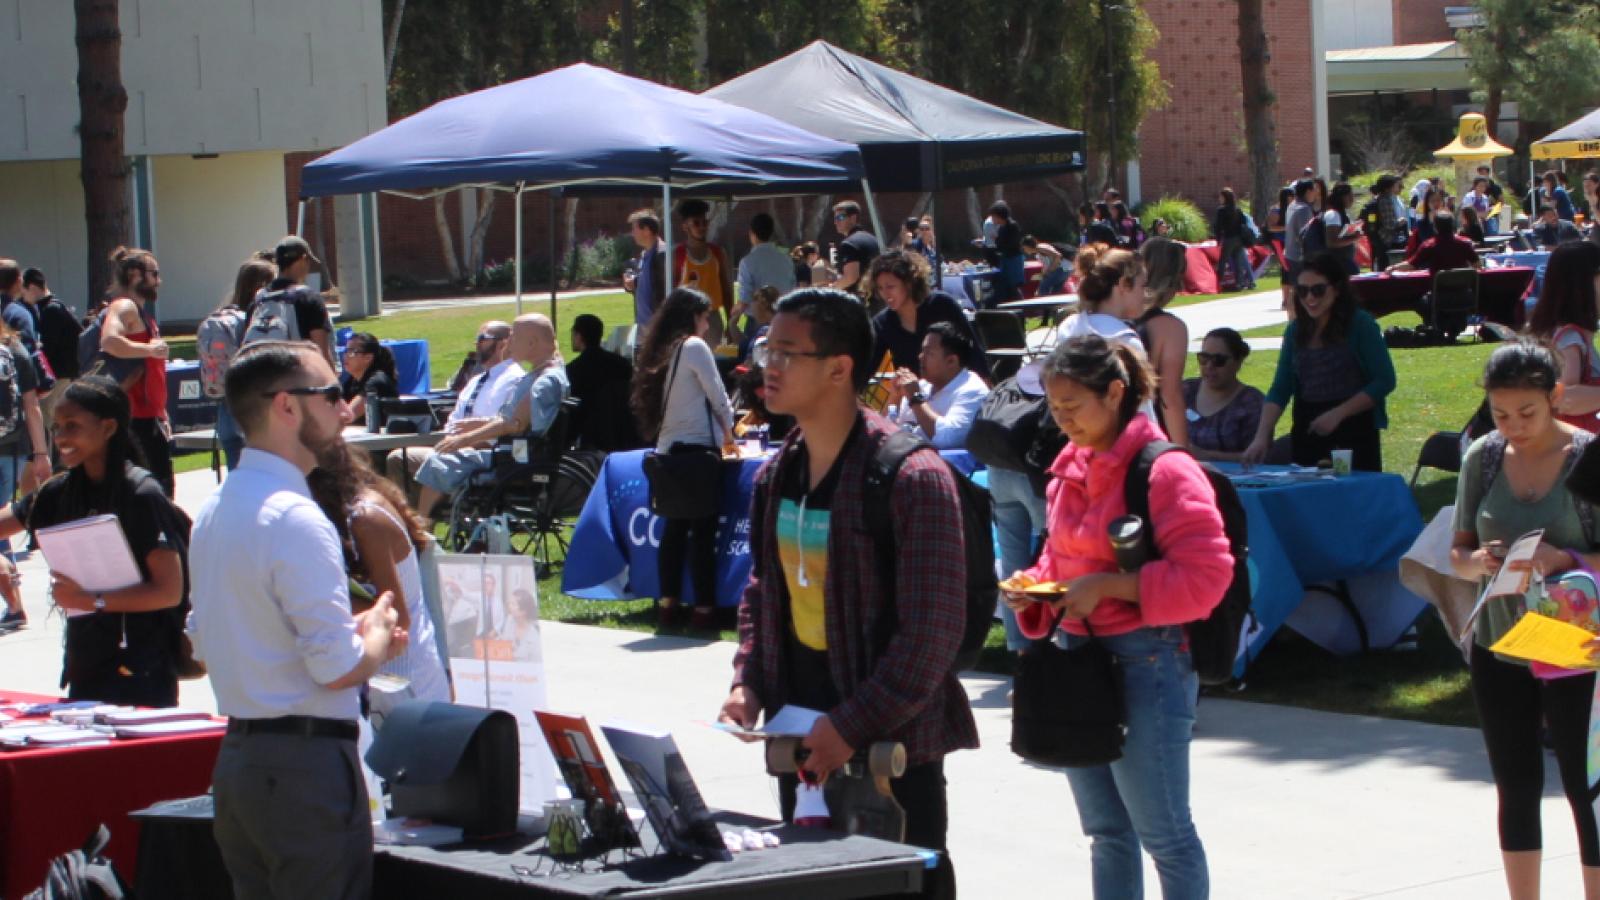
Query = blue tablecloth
x=962 y=286
x=1325 y=531
x=188 y=407
x=613 y=555
x=410 y=361
x=1533 y=259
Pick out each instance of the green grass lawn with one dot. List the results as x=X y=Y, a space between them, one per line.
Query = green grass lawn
x=1437 y=391
x=1269 y=283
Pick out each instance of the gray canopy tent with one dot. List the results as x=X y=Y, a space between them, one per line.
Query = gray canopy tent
x=584 y=130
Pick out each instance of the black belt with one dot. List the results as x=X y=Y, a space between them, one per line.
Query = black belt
x=304 y=726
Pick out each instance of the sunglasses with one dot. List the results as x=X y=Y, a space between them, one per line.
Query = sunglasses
x=486 y=337
x=840 y=217
x=1316 y=290
x=329 y=392
x=1213 y=359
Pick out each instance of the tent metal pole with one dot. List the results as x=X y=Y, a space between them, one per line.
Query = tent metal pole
x=300 y=218
x=553 y=196
x=517 y=268
x=872 y=211
x=666 y=234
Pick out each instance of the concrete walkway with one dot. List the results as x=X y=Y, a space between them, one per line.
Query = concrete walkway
x=1290 y=803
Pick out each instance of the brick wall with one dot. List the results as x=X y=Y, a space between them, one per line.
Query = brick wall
x=1422 y=21
x=1196 y=145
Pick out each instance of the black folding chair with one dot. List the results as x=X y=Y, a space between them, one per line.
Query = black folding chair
x=1454 y=301
x=1442 y=450
x=1005 y=341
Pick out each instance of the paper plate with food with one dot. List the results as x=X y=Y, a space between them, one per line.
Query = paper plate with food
x=1022 y=583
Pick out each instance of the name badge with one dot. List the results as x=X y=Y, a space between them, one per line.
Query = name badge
x=1191 y=415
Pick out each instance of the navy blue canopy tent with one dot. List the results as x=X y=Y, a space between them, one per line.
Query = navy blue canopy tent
x=586 y=130
x=914 y=135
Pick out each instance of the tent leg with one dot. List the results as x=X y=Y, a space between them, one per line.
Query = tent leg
x=300 y=219
x=666 y=234
x=517 y=269
x=554 y=269
x=872 y=212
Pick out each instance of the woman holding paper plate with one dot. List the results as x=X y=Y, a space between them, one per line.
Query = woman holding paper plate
x=1513 y=481
x=122 y=645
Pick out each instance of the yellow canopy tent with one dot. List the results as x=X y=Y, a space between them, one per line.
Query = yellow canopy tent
x=1471 y=146
x=1577 y=140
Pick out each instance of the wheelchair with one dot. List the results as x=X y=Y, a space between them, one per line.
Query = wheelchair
x=540 y=498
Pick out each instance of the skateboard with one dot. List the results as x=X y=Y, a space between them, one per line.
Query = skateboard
x=858 y=795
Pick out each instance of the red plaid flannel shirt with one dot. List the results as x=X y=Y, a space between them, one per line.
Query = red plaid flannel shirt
x=899 y=689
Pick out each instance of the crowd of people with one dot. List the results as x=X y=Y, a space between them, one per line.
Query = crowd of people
x=301 y=577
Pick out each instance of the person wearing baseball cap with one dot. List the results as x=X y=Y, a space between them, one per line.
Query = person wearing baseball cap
x=310 y=322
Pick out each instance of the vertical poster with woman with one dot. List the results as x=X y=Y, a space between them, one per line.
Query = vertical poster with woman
x=491 y=613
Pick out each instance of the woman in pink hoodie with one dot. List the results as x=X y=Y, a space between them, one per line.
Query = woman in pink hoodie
x=1095 y=390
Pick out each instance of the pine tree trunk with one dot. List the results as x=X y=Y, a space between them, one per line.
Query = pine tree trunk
x=1491 y=110
x=1260 y=125
x=102 y=100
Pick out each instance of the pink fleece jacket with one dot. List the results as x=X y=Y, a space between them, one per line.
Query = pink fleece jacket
x=1086 y=494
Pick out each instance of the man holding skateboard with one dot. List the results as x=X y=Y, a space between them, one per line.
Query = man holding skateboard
x=822 y=624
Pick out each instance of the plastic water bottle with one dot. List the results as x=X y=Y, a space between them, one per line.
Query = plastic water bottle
x=811 y=807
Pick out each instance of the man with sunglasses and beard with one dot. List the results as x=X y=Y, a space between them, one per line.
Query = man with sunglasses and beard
x=476 y=404
x=129 y=332
x=272 y=621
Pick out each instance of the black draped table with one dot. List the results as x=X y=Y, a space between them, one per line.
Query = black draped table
x=178 y=860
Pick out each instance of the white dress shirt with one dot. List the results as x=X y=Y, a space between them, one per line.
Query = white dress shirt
x=271 y=616
x=954 y=407
x=502 y=380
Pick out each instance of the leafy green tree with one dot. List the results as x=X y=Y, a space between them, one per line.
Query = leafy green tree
x=1542 y=52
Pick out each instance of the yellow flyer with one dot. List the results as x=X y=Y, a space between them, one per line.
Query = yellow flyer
x=1551 y=641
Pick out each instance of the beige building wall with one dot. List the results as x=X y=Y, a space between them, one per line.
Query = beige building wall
x=203 y=76
x=210 y=214
x=42 y=223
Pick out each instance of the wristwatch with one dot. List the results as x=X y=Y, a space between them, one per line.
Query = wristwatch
x=917 y=398
x=99 y=602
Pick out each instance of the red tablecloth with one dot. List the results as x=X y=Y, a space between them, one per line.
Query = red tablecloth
x=50 y=800
x=1200 y=275
x=1032 y=272
x=1499 y=292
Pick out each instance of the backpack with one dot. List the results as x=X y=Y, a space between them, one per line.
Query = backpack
x=1313 y=238
x=1249 y=233
x=1006 y=426
x=1493 y=455
x=10 y=395
x=977 y=533
x=273 y=317
x=84 y=874
x=1214 y=642
x=217 y=341
x=1370 y=219
x=91 y=361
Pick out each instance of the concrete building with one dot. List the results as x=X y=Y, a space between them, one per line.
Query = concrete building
x=218 y=92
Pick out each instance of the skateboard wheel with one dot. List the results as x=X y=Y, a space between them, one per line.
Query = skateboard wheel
x=782 y=755
x=887 y=759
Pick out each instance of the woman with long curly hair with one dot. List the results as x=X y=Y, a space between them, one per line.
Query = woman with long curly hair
x=382 y=540
x=679 y=402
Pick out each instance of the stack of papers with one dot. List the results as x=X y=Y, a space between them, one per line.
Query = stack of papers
x=123 y=717
x=166 y=729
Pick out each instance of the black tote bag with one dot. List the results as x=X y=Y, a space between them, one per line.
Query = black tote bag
x=1067 y=705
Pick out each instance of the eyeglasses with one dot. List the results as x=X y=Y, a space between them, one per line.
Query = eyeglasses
x=768 y=357
x=839 y=217
x=1213 y=359
x=329 y=392
x=486 y=337
x=153 y=273
x=1316 y=290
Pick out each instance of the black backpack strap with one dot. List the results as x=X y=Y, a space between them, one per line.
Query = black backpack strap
x=1136 y=484
x=878 y=498
x=1491 y=459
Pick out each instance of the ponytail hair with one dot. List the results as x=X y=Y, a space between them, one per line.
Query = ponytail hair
x=1103 y=271
x=1094 y=362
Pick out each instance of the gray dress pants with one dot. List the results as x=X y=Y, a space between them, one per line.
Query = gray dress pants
x=292 y=819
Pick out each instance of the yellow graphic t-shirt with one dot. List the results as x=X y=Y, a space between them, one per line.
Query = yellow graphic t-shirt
x=803 y=550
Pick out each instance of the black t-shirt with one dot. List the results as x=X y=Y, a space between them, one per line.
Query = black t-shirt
x=601 y=382
x=310 y=313
x=809 y=682
x=94 y=645
x=860 y=247
x=377 y=383
x=58 y=336
x=904 y=346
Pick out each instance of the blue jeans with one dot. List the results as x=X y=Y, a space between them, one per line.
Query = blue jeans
x=1054 y=283
x=229 y=436
x=1018 y=522
x=1142 y=799
x=1236 y=257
